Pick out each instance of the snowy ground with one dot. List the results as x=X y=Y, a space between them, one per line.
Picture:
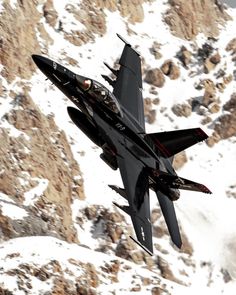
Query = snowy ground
x=209 y=221
x=39 y=251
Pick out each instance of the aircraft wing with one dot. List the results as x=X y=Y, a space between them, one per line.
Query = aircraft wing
x=128 y=85
x=136 y=191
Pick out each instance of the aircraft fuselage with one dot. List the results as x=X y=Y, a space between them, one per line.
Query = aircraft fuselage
x=108 y=126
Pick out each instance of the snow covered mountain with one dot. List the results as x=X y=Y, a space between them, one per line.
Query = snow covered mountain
x=59 y=231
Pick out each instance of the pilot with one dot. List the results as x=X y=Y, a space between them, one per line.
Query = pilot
x=87 y=84
x=98 y=92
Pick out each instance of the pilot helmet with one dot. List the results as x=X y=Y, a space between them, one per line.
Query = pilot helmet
x=87 y=84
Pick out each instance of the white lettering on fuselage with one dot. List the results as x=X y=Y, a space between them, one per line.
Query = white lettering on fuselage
x=75 y=99
x=120 y=126
x=54 y=64
x=142 y=233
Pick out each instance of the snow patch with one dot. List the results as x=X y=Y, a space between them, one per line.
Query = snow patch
x=14 y=4
x=32 y=195
x=10 y=208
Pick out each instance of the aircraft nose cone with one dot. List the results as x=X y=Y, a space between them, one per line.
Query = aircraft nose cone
x=72 y=113
x=42 y=62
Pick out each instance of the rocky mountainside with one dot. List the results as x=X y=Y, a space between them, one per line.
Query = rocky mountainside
x=59 y=231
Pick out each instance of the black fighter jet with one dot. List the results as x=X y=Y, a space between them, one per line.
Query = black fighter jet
x=114 y=121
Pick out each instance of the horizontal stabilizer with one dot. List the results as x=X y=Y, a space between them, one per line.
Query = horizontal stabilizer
x=118 y=190
x=142 y=246
x=181 y=183
x=124 y=208
x=172 y=142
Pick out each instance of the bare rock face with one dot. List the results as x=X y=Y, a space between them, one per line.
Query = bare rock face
x=4 y=291
x=18 y=39
x=230 y=105
x=91 y=14
x=231 y=46
x=149 y=113
x=155 y=77
x=226 y=125
x=155 y=50
x=213 y=139
x=33 y=157
x=166 y=272
x=215 y=58
x=124 y=248
x=157 y=291
x=211 y=62
x=188 y=18
x=6 y=228
x=50 y=13
x=133 y=9
x=209 y=95
x=185 y=56
x=170 y=69
x=228 y=79
x=179 y=160
x=208 y=66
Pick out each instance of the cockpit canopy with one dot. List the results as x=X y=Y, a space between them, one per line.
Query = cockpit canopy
x=97 y=91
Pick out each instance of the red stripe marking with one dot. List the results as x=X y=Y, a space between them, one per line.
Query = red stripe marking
x=162 y=148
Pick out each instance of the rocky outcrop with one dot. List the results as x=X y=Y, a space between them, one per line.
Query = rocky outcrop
x=92 y=18
x=91 y=14
x=4 y=291
x=170 y=69
x=231 y=46
x=26 y=273
x=39 y=154
x=213 y=139
x=188 y=18
x=184 y=56
x=50 y=13
x=155 y=77
x=211 y=62
x=179 y=160
x=225 y=126
x=18 y=29
x=209 y=95
x=132 y=10
x=149 y=112
x=155 y=50
x=209 y=99
x=230 y=105
x=182 y=110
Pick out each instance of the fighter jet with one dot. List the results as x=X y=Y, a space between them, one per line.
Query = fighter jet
x=115 y=122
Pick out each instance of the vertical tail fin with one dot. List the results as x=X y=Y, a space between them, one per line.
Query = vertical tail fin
x=168 y=210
